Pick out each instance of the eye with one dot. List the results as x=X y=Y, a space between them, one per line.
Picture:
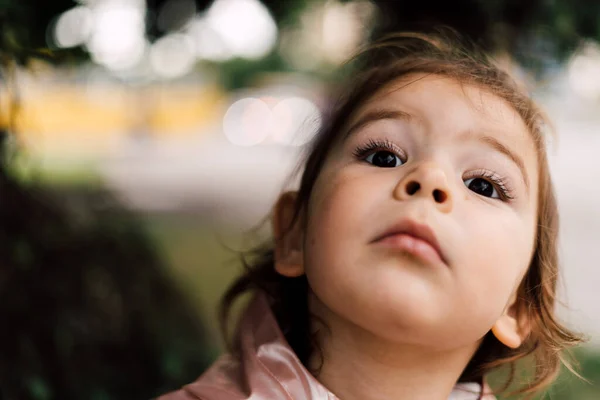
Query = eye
x=490 y=184
x=381 y=153
x=482 y=187
x=384 y=159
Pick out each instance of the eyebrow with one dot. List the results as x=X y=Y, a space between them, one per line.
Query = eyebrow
x=376 y=115
x=498 y=146
x=381 y=114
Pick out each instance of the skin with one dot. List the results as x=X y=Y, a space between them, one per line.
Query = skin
x=401 y=326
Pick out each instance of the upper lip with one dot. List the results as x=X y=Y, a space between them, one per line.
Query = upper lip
x=418 y=230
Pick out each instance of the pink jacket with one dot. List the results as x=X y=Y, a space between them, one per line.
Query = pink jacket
x=269 y=369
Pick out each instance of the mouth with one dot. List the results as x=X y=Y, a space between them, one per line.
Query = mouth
x=415 y=238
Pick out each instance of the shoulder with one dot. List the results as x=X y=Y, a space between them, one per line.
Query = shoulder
x=487 y=393
x=181 y=394
x=221 y=381
x=471 y=391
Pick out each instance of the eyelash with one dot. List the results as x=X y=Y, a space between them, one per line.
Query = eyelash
x=378 y=144
x=499 y=182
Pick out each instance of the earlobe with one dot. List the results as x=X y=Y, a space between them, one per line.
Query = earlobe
x=512 y=328
x=506 y=330
x=287 y=233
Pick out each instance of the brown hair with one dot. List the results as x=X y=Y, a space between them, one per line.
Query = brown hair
x=382 y=62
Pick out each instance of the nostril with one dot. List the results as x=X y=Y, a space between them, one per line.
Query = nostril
x=412 y=187
x=439 y=196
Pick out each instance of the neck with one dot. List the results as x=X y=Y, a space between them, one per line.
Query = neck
x=355 y=364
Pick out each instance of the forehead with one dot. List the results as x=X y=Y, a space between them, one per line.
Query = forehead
x=432 y=98
x=444 y=107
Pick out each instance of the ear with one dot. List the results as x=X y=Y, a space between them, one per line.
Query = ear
x=514 y=325
x=289 y=259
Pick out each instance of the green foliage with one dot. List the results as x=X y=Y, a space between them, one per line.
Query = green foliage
x=88 y=309
x=568 y=386
x=546 y=29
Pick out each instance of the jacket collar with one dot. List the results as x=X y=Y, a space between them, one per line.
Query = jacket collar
x=269 y=369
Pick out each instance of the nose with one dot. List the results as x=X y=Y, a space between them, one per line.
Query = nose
x=428 y=182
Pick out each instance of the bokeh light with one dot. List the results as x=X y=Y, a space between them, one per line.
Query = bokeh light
x=344 y=28
x=208 y=44
x=295 y=121
x=248 y=122
x=73 y=27
x=327 y=33
x=113 y=32
x=246 y=26
x=172 y=55
x=117 y=40
x=584 y=71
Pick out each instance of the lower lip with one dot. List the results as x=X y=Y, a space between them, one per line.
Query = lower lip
x=412 y=245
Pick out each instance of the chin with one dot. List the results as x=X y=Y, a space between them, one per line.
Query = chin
x=396 y=318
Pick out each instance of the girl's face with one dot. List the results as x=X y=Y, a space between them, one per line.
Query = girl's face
x=424 y=152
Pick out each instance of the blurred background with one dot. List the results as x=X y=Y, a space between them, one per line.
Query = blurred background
x=141 y=140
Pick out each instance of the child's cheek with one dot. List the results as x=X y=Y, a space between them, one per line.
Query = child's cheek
x=498 y=261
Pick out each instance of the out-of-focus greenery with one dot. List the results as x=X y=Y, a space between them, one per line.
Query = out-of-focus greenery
x=536 y=32
x=88 y=308
x=198 y=261
x=569 y=387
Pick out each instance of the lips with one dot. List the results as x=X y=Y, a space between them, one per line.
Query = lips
x=415 y=230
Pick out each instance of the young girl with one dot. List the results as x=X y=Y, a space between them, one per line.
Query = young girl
x=420 y=251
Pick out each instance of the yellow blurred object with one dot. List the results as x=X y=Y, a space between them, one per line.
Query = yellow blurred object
x=181 y=110
x=76 y=119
